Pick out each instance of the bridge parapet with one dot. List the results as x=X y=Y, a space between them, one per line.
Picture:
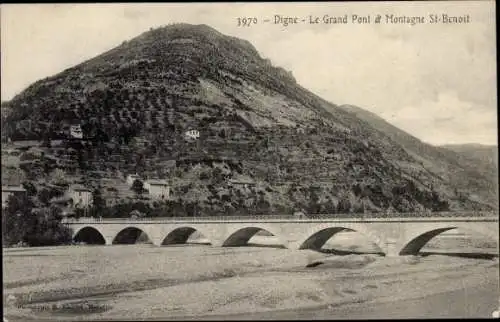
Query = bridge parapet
x=350 y=216
x=271 y=219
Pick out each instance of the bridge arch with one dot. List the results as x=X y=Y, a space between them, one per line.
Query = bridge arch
x=241 y=236
x=89 y=235
x=179 y=235
x=130 y=235
x=417 y=240
x=316 y=237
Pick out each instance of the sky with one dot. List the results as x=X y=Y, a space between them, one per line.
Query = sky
x=434 y=81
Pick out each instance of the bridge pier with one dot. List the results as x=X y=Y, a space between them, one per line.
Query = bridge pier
x=217 y=243
x=391 y=248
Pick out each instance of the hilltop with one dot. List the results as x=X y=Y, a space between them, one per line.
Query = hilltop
x=257 y=125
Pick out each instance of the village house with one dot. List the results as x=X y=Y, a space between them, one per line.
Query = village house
x=9 y=190
x=192 y=134
x=81 y=196
x=76 y=132
x=299 y=215
x=158 y=189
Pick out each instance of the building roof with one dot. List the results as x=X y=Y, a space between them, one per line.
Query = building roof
x=157 y=182
x=241 y=181
x=78 y=187
x=26 y=143
x=13 y=188
x=60 y=200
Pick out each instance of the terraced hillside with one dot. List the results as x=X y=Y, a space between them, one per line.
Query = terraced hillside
x=298 y=151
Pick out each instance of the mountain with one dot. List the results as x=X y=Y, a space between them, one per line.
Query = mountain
x=469 y=167
x=266 y=144
x=487 y=154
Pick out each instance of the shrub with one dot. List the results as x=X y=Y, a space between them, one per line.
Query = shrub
x=28 y=157
x=46 y=194
x=204 y=176
x=138 y=187
x=30 y=188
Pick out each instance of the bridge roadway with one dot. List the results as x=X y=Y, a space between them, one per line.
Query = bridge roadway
x=393 y=235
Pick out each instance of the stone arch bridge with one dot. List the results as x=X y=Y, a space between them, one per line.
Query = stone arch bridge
x=394 y=236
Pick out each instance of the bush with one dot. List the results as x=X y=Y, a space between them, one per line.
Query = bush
x=46 y=194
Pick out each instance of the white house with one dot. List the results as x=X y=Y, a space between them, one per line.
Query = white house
x=9 y=190
x=158 y=188
x=81 y=196
x=131 y=178
x=76 y=132
x=192 y=134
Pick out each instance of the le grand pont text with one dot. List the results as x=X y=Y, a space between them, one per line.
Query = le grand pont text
x=368 y=19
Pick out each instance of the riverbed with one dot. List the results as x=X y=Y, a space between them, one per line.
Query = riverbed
x=203 y=282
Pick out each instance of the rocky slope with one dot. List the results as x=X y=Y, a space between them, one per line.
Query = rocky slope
x=469 y=168
x=256 y=124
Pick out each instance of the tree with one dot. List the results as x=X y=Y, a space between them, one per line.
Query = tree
x=79 y=212
x=36 y=227
x=30 y=188
x=137 y=187
x=59 y=176
x=16 y=219
x=44 y=196
x=48 y=230
x=344 y=206
x=314 y=207
x=98 y=202
x=262 y=206
x=136 y=214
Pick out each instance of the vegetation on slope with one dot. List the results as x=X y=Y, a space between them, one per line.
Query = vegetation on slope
x=135 y=102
